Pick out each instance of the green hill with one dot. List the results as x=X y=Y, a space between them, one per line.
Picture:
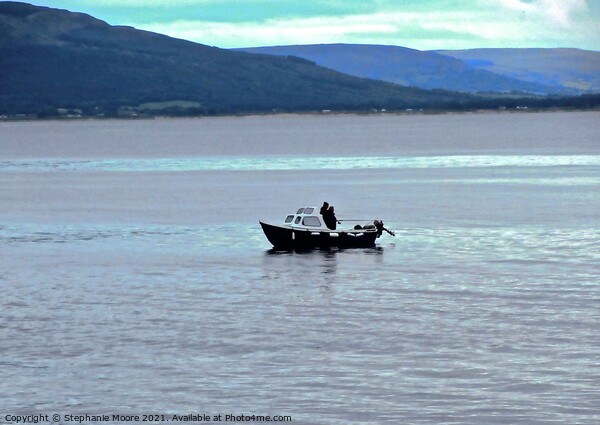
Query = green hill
x=52 y=59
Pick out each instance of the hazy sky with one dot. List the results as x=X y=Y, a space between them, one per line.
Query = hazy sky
x=419 y=24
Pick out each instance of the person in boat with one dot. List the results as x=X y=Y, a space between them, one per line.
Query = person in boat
x=324 y=209
x=329 y=218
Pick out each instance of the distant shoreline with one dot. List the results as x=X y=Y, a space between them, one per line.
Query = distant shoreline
x=324 y=113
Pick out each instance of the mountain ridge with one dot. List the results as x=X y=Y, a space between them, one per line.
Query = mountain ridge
x=441 y=69
x=574 y=69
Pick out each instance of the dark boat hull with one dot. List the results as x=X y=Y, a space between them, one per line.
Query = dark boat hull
x=286 y=238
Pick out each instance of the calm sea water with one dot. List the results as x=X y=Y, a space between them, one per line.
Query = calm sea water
x=135 y=278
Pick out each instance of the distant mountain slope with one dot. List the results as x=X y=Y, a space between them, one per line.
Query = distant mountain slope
x=52 y=58
x=408 y=67
x=572 y=68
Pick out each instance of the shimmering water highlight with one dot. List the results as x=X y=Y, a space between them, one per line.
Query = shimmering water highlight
x=272 y=163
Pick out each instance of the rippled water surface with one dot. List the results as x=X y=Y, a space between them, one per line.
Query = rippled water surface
x=135 y=278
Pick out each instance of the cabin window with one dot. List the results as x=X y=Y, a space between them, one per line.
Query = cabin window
x=289 y=218
x=308 y=210
x=311 y=221
x=300 y=211
x=298 y=219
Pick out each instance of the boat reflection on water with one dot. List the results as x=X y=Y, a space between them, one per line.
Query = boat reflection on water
x=325 y=252
x=299 y=266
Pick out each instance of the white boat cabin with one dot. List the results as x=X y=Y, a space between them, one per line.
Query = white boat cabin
x=306 y=217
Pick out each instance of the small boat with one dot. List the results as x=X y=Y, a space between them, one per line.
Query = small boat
x=306 y=230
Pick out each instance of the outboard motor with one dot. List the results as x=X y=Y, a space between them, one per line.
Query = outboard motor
x=380 y=228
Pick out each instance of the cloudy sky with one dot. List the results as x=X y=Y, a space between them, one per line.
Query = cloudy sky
x=419 y=24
